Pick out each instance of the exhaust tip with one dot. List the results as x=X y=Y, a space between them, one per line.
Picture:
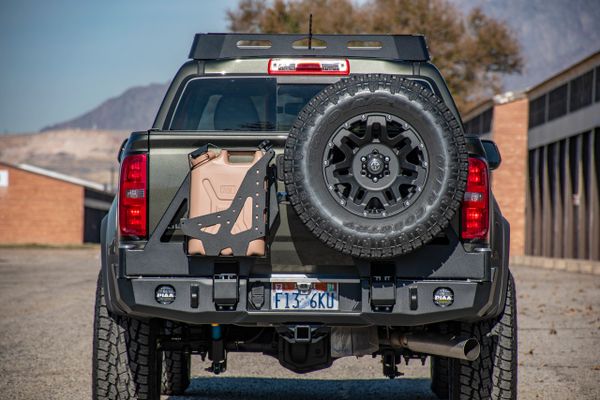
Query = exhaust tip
x=471 y=349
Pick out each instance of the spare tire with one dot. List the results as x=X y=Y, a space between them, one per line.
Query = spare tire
x=375 y=166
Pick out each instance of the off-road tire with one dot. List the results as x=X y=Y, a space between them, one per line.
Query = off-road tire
x=387 y=236
x=176 y=365
x=125 y=364
x=439 y=376
x=494 y=374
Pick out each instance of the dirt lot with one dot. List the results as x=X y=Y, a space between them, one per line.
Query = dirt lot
x=46 y=310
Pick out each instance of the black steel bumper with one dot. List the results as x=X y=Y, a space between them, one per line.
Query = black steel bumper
x=478 y=280
x=471 y=300
x=196 y=303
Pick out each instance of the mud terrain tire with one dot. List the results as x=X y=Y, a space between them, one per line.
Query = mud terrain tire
x=125 y=358
x=494 y=374
x=176 y=365
x=439 y=376
x=368 y=117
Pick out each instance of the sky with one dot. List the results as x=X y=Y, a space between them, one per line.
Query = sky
x=61 y=58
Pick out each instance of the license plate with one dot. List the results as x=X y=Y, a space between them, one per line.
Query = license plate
x=307 y=296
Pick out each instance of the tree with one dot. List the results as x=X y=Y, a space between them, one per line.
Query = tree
x=472 y=51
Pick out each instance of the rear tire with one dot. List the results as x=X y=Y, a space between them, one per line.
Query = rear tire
x=176 y=365
x=494 y=374
x=439 y=376
x=125 y=361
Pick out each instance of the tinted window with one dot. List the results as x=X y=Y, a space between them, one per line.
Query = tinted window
x=240 y=104
x=290 y=100
x=557 y=102
x=487 y=121
x=480 y=124
x=581 y=91
x=472 y=126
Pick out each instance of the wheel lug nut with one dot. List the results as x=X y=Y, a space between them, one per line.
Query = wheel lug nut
x=386 y=159
x=363 y=159
x=375 y=179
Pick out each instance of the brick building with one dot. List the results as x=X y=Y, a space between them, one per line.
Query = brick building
x=548 y=184
x=45 y=207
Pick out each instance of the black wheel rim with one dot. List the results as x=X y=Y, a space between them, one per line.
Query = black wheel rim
x=375 y=165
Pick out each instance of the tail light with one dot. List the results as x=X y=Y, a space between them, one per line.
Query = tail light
x=475 y=207
x=133 y=196
x=308 y=66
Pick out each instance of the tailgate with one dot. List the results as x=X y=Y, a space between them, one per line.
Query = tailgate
x=168 y=166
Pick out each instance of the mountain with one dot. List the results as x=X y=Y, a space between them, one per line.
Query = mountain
x=134 y=109
x=90 y=154
x=554 y=34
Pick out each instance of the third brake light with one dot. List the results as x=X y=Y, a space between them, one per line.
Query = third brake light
x=308 y=66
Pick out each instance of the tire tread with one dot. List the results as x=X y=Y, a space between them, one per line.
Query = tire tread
x=494 y=374
x=318 y=224
x=123 y=355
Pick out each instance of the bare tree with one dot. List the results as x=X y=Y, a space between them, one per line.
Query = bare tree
x=472 y=51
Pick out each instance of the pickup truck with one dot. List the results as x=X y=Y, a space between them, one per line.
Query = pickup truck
x=307 y=198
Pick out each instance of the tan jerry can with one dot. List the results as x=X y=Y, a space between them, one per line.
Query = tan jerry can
x=215 y=180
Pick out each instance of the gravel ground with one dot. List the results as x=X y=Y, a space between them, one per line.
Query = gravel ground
x=46 y=311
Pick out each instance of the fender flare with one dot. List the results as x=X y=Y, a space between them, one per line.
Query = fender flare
x=109 y=259
x=500 y=286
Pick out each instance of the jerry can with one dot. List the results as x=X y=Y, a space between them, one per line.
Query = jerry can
x=215 y=181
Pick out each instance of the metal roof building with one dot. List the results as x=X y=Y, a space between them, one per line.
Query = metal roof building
x=548 y=185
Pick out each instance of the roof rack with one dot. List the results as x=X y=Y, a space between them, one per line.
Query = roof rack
x=222 y=46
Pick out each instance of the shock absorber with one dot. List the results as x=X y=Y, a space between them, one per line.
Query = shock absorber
x=217 y=351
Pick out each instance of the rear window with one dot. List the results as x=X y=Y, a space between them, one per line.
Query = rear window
x=240 y=104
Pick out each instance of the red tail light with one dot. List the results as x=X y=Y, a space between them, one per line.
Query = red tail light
x=132 y=196
x=475 y=207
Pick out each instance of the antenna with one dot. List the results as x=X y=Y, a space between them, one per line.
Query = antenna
x=310 y=32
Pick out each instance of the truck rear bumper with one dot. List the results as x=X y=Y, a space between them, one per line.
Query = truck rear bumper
x=132 y=276
x=136 y=297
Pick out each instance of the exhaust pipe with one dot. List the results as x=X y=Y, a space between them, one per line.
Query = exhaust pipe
x=444 y=345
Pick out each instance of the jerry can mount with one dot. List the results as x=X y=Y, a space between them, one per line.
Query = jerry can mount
x=265 y=209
